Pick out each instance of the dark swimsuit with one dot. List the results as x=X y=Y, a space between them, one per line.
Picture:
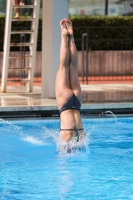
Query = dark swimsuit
x=73 y=103
x=75 y=132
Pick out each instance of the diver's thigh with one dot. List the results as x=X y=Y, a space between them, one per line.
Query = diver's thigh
x=63 y=96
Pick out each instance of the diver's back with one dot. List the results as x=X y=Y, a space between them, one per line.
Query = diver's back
x=70 y=118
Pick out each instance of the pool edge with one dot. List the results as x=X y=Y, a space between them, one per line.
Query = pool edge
x=97 y=109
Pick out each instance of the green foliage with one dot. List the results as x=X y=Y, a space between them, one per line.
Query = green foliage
x=104 y=33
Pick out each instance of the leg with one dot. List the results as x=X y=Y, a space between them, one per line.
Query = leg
x=15 y=3
x=63 y=91
x=74 y=81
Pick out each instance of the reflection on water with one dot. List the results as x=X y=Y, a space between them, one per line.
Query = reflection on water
x=107 y=96
x=65 y=178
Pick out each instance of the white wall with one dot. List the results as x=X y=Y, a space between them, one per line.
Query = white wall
x=53 y=12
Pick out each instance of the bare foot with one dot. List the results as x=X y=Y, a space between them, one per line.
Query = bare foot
x=69 y=26
x=16 y=16
x=63 y=27
x=21 y=3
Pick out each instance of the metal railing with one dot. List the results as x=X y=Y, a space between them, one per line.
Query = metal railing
x=104 y=59
x=100 y=59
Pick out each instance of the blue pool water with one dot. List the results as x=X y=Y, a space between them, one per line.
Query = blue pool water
x=30 y=167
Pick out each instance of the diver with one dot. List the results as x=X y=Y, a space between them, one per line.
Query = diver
x=68 y=90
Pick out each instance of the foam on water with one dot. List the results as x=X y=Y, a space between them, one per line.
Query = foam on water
x=32 y=140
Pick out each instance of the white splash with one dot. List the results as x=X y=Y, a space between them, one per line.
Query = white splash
x=14 y=128
x=113 y=115
x=110 y=112
x=32 y=140
x=46 y=136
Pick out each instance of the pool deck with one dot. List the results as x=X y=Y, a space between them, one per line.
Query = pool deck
x=15 y=101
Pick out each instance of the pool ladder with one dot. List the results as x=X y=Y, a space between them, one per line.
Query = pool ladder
x=32 y=44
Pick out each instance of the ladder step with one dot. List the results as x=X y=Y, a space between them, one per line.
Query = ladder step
x=20 y=44
x=13 y=80
x=22 y=80
x=23 y=19
x=21 y=69
x=24 y=6
x=22 y=31
x=19 y=57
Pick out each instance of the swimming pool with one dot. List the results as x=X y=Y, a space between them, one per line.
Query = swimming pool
x=30 y=167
